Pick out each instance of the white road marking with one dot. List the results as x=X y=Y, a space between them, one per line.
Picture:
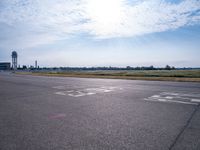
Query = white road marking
x=180 y=94
x=174 y=101
x=76 y=95
x=90 y=93
x=156 y=96
x=172 y=97
x=60 y=93
x=87 y=91
x=169 y=97
x=107 y=91
x=195 y=100
x=162 y=100
x=171 y=101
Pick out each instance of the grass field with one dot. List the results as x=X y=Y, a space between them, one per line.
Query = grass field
x=161 y=75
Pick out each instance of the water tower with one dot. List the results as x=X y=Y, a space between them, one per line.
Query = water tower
x=14 y=60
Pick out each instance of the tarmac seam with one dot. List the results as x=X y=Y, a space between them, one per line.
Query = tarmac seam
x=183 y=129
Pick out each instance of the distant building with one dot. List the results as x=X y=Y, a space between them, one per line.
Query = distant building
x=4 y=66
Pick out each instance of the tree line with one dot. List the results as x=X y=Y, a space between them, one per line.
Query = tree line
x=167 y=67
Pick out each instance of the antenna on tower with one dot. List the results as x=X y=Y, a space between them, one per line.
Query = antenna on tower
x=14 y=60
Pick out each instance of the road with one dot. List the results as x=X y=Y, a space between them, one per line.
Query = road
x=55 y=113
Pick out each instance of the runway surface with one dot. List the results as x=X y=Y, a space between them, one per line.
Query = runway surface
x=55 y=113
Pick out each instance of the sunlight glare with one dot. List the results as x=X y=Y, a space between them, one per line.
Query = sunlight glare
x=105 y=13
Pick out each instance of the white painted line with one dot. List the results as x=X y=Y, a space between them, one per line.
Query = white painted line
x=84 y=92
x=162 y=100
x=180 y=94
x=76 y=95
x=195 y=100
x=107 y=91
x=90 y=89
x=169 y=97
x=170 y=101
x=176 y=97
x=155 y=96
x=60 y=93
x=181 y=102
x=182 y=97
x=91 y=93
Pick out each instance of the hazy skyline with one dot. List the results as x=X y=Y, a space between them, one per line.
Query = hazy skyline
x=101 y=32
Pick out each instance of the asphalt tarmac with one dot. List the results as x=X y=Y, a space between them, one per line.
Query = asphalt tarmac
x=55 y=113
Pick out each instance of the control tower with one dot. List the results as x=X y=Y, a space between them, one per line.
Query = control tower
x=14 y=60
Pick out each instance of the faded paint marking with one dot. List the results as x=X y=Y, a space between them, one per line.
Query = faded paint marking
x=60 y=93
x=172 y=97
x=87 y=91
x=195 y=100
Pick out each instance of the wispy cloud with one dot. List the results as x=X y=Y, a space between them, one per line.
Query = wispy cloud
x=143 y=17
x=34 y=22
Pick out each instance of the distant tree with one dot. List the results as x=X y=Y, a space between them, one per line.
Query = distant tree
x=167 y=67
x=24 y=67
x=128 y=67
x=151 y=68
x=173 y=68
x=31 y=67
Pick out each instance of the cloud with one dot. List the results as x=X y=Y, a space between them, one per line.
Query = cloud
x=147 y=16
x=31 y=23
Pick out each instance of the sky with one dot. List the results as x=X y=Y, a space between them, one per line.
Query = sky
x=91 y=33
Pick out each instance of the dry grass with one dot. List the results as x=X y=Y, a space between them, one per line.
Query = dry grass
x=157 y=75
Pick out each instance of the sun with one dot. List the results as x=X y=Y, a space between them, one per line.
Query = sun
x=105 y=13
